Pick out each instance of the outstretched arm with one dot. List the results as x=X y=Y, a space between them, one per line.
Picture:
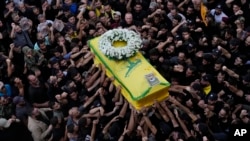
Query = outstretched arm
x=182 y=124
x=148 y=122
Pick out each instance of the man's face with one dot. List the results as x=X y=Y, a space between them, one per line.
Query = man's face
x=92 y=15
x=189 y=11
x=64 y=63
x=222 y=114
x=189 y=103
x=185 y=35
x=56 y=106
x=98 y=4
x=247 y=41
x=21 y=7
x=73 y=95
x=42 y=46
x=72 y=20
x=189 y=72
x=61 y=39
x=196 y=2
x=217 y=11
x=215 y=41
x=67 y=1
x=206 y=111
x=227 y=35
x=233 y=47
x=170 y=5
x=56 y=66
x=222 y=25
x=204 y=82
x=2 y=89
x=236 y=8
x=9 y=5
x=128 y=18
x=33 y=80
x=170 y=49
x=107 y=8
x=154 y=57
x=36 y=112
x=138 y=8
x=220 y=78
x=16 y=18
x=75 y=112
x=174 y=22
x=181 y=56
x=217 y=67
x=78 y=77
x=60 y=74
x=237 y=61
x=41 y=19
x=173 y=12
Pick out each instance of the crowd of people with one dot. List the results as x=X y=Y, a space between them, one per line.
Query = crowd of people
x=50 y=89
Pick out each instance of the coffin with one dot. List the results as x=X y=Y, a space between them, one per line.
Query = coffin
x=141 y=82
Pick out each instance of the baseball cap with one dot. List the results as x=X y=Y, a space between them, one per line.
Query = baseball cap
x=213 y=97
x=152 y=5
x=17 y=99
x=8 y=1
x=4 y=123
x=117 y=13
x=26 y=49
x=218 y=7
x=207 y=77
x=177 y=37
x=216 y=52
x=190 y=22
x=190 y=46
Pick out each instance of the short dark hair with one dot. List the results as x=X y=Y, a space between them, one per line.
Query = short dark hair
x=192 y=68
x=220 y=60
x=54 y=121
x=178 y=18
x=243 y=58
x=70 y=128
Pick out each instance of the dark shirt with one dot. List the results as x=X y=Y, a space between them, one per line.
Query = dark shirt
x=139 y=16
x=124 y=24
x=16 y=131
x=37 y=94
x=22 y=39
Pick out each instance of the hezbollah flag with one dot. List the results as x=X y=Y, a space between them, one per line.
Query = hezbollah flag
x=141 y=83
x=203 y=13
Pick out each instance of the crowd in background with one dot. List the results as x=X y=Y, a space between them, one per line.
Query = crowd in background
x=50 y=89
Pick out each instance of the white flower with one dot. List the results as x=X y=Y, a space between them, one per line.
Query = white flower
x=133 y=43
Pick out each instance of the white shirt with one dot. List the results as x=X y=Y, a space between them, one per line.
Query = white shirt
x=218 y=18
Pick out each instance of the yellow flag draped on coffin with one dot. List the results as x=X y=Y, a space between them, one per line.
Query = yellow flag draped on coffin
x=141 y=82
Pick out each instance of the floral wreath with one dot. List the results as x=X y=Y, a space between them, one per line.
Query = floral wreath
x=108 y=38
